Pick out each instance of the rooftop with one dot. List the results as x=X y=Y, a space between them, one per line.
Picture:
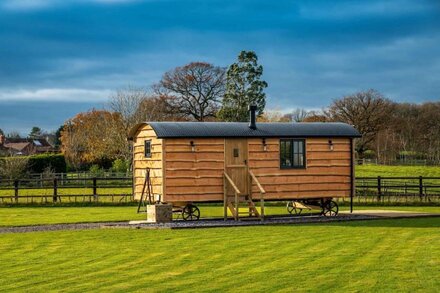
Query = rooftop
x=241 y=129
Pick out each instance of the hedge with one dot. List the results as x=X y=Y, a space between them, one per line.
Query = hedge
x=38 y=163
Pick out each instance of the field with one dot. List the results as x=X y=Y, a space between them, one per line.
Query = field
x=397 y=171
x=371 y=256
x=21 y=216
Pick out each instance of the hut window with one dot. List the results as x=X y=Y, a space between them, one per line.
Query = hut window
x=148 y=148
x=292 y=153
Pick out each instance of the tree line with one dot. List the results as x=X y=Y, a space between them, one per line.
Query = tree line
x=390 y=131
x=201 y=91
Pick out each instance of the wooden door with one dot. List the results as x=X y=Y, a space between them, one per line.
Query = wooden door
x=236 y=160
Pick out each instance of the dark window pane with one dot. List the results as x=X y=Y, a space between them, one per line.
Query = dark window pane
x=285 y=153
x=148 y=148
x=295 y=160
x=292 y=153
x=288 y=153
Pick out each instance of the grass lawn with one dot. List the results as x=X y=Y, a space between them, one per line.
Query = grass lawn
x=397 y=171
x=20 y=216
x=371 y=256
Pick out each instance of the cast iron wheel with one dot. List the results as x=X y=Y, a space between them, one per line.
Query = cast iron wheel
x=293 y=209
x=190 y=213
x=330 y=209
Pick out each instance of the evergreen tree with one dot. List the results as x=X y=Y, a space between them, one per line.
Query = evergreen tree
x=35 y=132
x=57 y=141
x=243 y=88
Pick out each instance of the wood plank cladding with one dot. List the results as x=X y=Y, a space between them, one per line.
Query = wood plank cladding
x=327 y=172
x=194 y=175
x=185 y=172
x=140 y=162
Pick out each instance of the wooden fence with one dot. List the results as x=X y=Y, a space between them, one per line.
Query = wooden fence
x=398 y=189
x=68 y=189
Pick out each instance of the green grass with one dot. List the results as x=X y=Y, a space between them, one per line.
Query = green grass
x=397 y=171
x=371 y=256
x=21 y=216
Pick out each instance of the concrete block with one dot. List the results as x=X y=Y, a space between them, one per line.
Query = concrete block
x=160 y=213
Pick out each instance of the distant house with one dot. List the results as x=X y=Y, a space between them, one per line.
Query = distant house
x=24 y=146
x=3 y=150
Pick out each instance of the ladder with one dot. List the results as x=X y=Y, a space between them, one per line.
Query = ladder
x=146 y=199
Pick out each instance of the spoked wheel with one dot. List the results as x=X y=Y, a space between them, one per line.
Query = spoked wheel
x=190 y=213
x=293 y=208
x=330 y=209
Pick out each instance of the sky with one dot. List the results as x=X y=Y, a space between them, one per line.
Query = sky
x=61 y=57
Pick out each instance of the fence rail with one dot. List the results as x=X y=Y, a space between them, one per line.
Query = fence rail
x=67 y=189
x=62 y=189
x=398 y=189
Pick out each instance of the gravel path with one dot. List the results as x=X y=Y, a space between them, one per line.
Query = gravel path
x=179 y=224
x=57 y=227
x=215 y=223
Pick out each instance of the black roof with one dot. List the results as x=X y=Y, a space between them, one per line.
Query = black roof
x=241 y=129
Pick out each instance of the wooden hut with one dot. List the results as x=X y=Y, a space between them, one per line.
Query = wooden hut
x=235 y=163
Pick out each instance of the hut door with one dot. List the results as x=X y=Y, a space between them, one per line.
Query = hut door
x=236 y=160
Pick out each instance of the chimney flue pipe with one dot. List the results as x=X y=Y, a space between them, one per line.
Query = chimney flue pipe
x=252 y=122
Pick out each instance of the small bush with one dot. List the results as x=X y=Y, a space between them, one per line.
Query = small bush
x=96 y=171
x=120 y=166
x=13 y=167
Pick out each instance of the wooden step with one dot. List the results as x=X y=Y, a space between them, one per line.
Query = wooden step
x=244 y=202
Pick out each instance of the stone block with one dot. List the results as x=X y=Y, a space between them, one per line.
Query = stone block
x=160 y=213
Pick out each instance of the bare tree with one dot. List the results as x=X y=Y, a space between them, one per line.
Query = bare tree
x=429 y=131
x=368 y=111
x=194 y=90
x=13 y=134
x=298 y=115
x=316 y=116
x=273 y=116
x=13 y=167
x=157 y=108
x=127 y=102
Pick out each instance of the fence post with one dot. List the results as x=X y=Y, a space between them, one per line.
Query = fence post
x=95 y=194
x=421 y=186
x=16 y=190
x=55 y=189
x=379 y=188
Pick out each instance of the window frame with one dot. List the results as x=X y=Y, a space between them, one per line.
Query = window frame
x=147 y=142
x=292 y=141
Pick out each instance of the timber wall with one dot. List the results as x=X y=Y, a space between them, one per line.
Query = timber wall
x=327 y=172
x=140 y=162
x=194 y=176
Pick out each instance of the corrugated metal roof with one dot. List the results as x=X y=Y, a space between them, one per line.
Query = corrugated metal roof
x=241 y=129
